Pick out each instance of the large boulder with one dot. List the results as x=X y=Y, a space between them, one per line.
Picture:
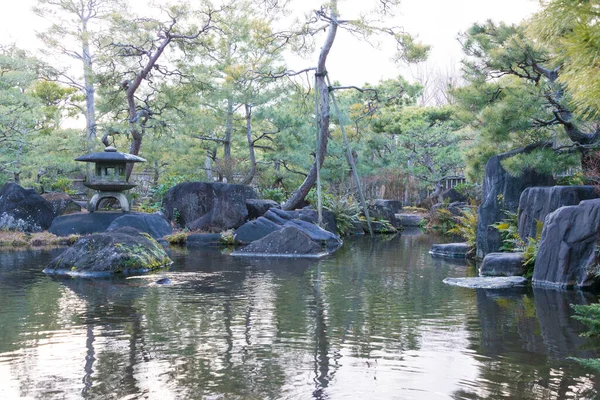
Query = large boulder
x=153 y=224
x=61 y=203
x=410 y=220
x=289 y=241
x=308 y=214
x=395 y=205
x=208 y=205
x=487 y=282
x=255 y=230
x=23 y=209
x=501 y=193
x=568 y=251
x=83 y=224
x=452 y=196
x=502 y=264
x=258 y=207
x=450 y=250
x=123 y=251
x=537 y=202
x=275 y=220
x=383 y=210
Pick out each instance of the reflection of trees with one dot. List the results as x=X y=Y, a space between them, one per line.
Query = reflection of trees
x=245 y=328
x=526 y=336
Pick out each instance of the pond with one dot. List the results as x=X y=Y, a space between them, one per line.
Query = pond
x=372 y=321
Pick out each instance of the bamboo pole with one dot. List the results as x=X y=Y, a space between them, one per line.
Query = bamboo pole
x=351 y=159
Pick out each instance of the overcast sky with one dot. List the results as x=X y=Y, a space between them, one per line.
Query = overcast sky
x=436 y=22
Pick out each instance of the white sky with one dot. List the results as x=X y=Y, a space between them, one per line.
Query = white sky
x=436 y=22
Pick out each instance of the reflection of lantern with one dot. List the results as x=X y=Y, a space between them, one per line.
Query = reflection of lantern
x=110 y=178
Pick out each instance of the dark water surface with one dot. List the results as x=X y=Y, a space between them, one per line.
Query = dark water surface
x=373 y=321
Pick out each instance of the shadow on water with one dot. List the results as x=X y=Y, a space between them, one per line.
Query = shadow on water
x=371 y=321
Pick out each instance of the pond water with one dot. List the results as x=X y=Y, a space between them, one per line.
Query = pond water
x=373 y=321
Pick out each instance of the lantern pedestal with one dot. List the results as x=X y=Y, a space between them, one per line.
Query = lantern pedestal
x=120 y=197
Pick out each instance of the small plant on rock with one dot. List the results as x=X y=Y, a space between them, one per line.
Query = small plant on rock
x=466 y=227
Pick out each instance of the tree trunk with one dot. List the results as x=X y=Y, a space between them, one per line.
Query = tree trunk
x=298 y=196
x=227 y=164
x=252 y=172
x=208 y=167
x=89 y=90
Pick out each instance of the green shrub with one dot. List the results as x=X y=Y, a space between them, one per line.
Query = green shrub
x=509 y=231
x=466 y=227
x=441 y=220
x=179 y=238
x=589 y=315
x=276 y=194
x=345 y=211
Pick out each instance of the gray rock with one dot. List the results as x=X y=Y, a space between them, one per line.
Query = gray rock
x=487 y=282
x=394 y=205
x=258 y=207
x=568 y=252
x=61 y=203
x=383 y=210
x=153 y=224
x=501 y=192
x=280 y=217
x=410 y=219
x=23 y=209
x=378 y=227
x=502 y=264
x=287 y=242
x=450 y=250
x=319 y=235
x=310 y=215
x=452 y=196
x=123 y=251
x=83 y=224
x=537 y=202
x=276 y=219
x=203 y=240
x=208 y=205
x=255 y=229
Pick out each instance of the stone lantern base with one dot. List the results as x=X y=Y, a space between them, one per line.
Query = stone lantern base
x=121 y=198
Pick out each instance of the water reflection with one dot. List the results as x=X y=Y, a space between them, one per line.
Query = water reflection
x=372 y=321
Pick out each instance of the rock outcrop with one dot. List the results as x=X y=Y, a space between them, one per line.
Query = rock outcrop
x=502 y=264
x=537 y=202
x=410 y=220
x=61 y=203
x=382 y=209
x=153 y=224
x=23 y=209
x=274 y=220
x=289 y=241
x=450 y=250
x=496 y=282
x=83 y=224
x=123 y=251
x=208 y=205
x=568 y=251
x=258 y=207
x=501 y=192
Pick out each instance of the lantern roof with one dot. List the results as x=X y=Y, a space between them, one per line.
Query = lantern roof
x=110 y=154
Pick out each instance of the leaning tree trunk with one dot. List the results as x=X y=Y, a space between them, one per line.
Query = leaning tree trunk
x=298 y=196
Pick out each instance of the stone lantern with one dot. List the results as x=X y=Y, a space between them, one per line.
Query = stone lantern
x=109 y=178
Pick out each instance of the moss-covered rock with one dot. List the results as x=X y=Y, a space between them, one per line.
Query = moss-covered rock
x=123 y=251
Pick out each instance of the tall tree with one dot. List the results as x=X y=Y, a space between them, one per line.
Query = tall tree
x=141 y=42
x=571 y=28
x=75 y=33
x=409 y=50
